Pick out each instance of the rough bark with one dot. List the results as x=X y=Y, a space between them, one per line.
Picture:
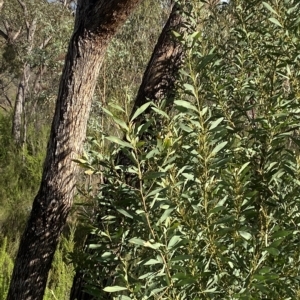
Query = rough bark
x=158 y=83
x=96 y=22
x=159 y=78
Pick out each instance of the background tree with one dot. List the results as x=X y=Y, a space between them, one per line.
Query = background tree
x=33 y=32
x=21 y=168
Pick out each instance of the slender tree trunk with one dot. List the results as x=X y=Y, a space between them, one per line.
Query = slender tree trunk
x=18 y=122
x=162 y=70
x=158 y=83
x=96 y=22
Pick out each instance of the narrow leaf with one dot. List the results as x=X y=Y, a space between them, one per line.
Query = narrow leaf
x=272 y=251
x=140 y=110
x=137 y=241
x=219 y=147
x=245 y=235
x=152 y=262
x=173 y=241
x=161 y=112
x=125 y=213
x=269 y=7
x=189 y=88
x=215 y=123
x=275 y=21
x=116 y=140
x=185 y=104
x=116 y=288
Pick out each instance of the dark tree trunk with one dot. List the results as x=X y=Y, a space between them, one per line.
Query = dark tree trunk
x=162 y=70
x=96 y=22
x=158 y=83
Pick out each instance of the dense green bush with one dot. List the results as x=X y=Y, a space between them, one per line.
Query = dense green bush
x=209 y=206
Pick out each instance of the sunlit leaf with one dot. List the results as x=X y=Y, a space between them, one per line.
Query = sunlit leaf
x=116 y=288
x=245 y=235
x=116 y=140
x=275 y=21
x=140 y=110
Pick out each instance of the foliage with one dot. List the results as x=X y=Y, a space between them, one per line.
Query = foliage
x=20 y=169
x=20 y=176
x=209 y=205
x=6 y=265
x=62 y=272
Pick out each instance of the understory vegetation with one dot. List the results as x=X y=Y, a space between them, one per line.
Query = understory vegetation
x=206 y=203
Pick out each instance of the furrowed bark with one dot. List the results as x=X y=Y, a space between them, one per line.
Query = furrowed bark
x=159 y=78
x=96 y=22
x=158 y=83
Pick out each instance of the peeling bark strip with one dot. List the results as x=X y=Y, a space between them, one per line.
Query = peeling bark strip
x=96 y=22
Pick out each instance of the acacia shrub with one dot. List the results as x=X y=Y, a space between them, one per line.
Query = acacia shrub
x=209 y=207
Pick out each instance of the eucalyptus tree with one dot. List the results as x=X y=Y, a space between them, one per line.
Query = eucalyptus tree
x=95 y=24
x=34 y=34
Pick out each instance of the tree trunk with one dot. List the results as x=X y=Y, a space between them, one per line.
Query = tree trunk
x=18 y=124
x=162 y=70
x=158 y=83
x=96 y=22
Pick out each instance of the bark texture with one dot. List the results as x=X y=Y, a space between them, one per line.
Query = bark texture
x=96 y=22
x=158 y=83
x=162 y=70
x=18 y=130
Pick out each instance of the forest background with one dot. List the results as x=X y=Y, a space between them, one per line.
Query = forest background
x=215 y=209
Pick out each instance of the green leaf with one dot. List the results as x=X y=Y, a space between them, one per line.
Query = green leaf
x=123 y=297
x=140 y=110
x=245 y=235
x=153 y=175
x=160 y=112
x=275 y=21
x=243 y=167
x=281 y=233
x=121 y=123
x=115 y=106
x=116 y=140
x=181 y=257
x=272 y=251
x=94 y=246
x=125 y=213
x=219 y=147
x=215 y=123
x=165 y=215
x=152 y=262
x=189 y=88
x=115 y=288
x=137 y=241
x=265 y=270
x=154 y=246
x=173 y=241
x=185 y=104
x=269 y=7
x=107 y=112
